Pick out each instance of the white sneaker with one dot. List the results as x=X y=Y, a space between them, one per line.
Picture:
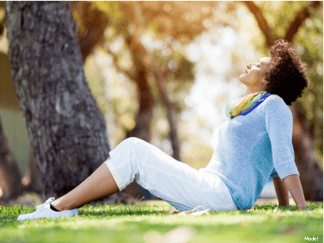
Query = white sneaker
x=44 y=211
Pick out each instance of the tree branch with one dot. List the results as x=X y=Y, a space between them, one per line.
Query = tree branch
x=300 y=17
x=120 y=69
x=262 y=22
x=93 y=23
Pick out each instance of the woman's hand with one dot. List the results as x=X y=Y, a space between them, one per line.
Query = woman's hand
x=294 y=186
x=281 y=191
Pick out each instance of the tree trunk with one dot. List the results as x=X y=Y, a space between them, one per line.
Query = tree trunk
x=142 y=60
x=92 y=25
x=144 y=115
x=311 y=175
x=171 y=112
x=10 y=176
x=33 y=179
x=64 y=124
x=142 y=128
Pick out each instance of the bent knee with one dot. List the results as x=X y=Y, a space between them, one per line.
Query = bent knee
x=137 y=145
x=131 y=139
x=129 y=143
x=134 y=140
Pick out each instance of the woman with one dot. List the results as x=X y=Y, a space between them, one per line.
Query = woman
x=255 y=144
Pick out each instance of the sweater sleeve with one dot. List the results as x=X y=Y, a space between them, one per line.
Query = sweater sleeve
x=279 y=125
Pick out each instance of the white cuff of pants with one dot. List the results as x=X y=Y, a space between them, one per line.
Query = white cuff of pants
x=115 y=174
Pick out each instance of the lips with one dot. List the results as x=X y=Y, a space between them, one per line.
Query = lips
x=245 y=71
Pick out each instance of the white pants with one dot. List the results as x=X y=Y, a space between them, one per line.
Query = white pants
x=177 y=183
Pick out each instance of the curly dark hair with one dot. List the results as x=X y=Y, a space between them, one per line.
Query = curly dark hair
x=286 y=76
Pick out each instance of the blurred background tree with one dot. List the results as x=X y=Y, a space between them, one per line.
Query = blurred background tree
x=153 y=71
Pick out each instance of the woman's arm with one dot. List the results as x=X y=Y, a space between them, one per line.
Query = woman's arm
x=294 y=186
x=279 y=126
x=282 y=192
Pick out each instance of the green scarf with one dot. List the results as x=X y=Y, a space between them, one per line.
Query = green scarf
x=250 y=103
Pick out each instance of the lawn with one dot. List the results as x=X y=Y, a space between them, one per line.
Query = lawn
x=158 y=223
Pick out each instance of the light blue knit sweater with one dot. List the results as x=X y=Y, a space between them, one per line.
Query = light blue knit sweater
x=252 y=148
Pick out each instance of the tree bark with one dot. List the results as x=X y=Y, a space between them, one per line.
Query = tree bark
x=311 y=174
x=64 y=123
x=10 y=176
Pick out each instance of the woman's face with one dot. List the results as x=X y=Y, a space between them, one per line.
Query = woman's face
x=254 y=74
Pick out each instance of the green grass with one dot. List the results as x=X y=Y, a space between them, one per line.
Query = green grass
x=142 y=223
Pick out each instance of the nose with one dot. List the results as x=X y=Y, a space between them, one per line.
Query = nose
x=249 y=66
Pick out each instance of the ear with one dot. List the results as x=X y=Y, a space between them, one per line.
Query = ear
x=264 y=84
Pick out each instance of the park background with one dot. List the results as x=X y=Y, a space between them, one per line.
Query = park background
x=164 y=72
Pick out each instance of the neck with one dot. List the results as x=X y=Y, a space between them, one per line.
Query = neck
x=251 y=90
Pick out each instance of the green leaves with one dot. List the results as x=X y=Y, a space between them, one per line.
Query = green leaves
x=110 y=8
